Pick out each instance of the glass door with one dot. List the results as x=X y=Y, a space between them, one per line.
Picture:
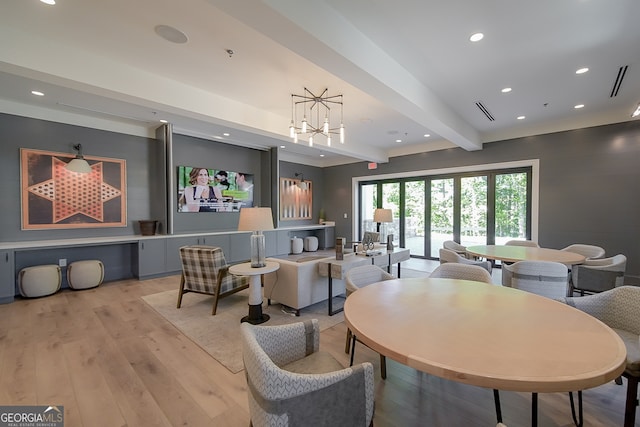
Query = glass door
x=442 y=217
x=473 y=210
x=368 y=202
x=512 y=207
x=414 y=217
x=391 y=200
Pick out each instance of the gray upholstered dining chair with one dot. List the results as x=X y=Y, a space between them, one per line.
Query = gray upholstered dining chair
x=517 y=242
x=449 y=256
x=619 y=308
x=356 y=278
x=598 y=275
x=452 y=270
x=546 y=278
x=205 y=271
x=292 y=383
x=587 y=251
x=455 y=247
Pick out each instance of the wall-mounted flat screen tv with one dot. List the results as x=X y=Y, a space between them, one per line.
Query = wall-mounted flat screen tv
x=213 y=190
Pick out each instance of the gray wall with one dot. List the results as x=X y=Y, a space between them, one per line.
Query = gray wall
x=589 y=184
x=189 y=151
x=589 y=180
x=141 y=155
x=310 y=173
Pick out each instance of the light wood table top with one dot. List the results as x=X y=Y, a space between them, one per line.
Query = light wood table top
x=525 y=253
x=485 y=335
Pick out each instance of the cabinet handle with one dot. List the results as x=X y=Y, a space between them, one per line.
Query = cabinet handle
x=142 y=245
x=6 y=257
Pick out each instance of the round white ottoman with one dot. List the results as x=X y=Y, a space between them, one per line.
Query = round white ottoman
x=85 y=274
x=39 y=281
x=310 y=243
x=296 y=245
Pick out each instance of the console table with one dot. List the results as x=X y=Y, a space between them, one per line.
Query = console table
x=332 y=268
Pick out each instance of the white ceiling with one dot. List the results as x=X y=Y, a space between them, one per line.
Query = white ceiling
x=406 y=68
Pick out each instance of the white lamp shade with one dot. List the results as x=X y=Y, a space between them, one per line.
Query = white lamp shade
x=255 y=219
x=79 y=165
x=382 y=215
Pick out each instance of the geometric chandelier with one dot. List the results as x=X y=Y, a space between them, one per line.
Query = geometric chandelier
x=314 y=113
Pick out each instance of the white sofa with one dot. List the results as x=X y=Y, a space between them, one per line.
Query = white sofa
x=297 y=284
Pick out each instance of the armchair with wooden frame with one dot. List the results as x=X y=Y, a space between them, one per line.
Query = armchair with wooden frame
x=205 y=271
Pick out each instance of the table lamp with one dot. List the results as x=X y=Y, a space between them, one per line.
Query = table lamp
x=256 y=220
x=382 y=217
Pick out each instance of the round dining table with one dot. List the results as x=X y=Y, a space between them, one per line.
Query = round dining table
x=510 y=253
x=485 y=335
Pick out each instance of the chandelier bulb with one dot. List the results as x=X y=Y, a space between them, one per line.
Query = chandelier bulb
x=325 y=127
x=295 y=138
x=310 y=140
x=341 y=133
x=292 y=130
x=304 y=125
x=329 y=140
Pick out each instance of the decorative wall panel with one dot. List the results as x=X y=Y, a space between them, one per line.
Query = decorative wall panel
x=54 y=197
x=295 y=202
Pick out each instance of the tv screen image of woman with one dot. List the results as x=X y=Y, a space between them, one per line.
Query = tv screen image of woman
x=210 y=190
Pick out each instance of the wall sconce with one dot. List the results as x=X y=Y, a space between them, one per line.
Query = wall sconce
x=78 y=164
x=301 y=185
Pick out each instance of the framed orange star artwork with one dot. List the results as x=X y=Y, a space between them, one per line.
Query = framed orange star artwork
x=55 y=197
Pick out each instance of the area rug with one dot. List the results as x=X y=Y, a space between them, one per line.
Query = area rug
x=219 y=335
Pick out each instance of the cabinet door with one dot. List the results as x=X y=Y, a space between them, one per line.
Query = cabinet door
x=151 y=257
x=173 y=251
x=7 y=277
x=174 y=265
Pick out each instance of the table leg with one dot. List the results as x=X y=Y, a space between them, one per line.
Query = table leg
x=330 y=280
x=255 y=316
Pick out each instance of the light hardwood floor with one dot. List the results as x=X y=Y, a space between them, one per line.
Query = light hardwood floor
x=110 y=360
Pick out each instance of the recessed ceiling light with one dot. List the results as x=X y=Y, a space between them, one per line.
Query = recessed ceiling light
x=521 y=117
x=398 y=140
x=48 y=1
x=38 y=93
x=321 y=155
x=171 y=34
x=426 y=135
x=163 y=121
x=506 y=90
x=582 y=70
x=226 y=134
x=578 y=106
x=476 y=37
x=282 y=146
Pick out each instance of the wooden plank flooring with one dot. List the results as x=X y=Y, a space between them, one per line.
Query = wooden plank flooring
x=112 y=361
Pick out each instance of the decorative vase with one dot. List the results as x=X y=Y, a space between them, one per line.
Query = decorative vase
x=148 y=227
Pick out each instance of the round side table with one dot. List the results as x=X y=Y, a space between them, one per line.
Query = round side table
x=255 y=316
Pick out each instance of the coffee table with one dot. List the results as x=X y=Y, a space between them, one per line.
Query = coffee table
x=485 y=335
